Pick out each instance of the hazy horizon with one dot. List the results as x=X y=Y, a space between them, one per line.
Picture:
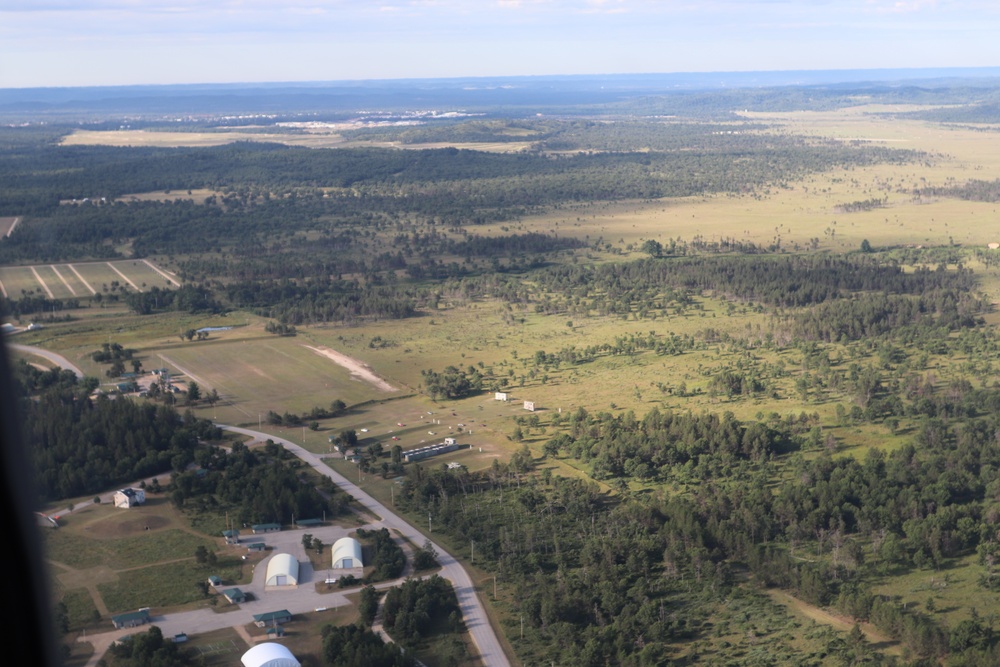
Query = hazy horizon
x=164 y=42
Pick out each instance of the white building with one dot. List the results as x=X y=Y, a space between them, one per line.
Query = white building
x=347 y=554
x=282 y=570
x=129 y=497
x=500 y=396
x=269 y=654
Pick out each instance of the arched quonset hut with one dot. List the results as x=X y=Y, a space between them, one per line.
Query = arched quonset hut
x=282 y=570
x=269 y=654
x=347 y=554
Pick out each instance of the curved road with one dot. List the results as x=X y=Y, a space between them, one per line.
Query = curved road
x=56 y=359
x=473 y=612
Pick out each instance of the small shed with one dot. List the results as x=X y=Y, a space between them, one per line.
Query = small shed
x=500 y=396
x=272 y=618
x=235 y=595
x=529 y=406
x=309 y=523
x=214 y=581
x=256 y=546
x=232 y=536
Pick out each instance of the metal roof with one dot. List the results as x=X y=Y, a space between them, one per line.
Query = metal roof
x=282 y=565
x=347 y=547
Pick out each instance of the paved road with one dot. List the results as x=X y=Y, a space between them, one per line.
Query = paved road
x=56 y=359
x=473 y=611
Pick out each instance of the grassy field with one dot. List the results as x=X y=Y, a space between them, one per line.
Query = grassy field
x=6 y=222
x=316 y=138
x=948 y=594
x=64 y=281
x=216 y=649
x=105 y=559
x=19 y=281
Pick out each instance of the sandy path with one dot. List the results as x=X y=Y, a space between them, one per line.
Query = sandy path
x=842 y=623
x=124 y=277
x=12 y=226
x=157 y=269
x=60 y=276
x=73 y=269
x=42 y=282
x=3 y=290
x=358 y=369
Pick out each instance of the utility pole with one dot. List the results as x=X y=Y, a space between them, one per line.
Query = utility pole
x=430 y=524
x=473 y=552
x=494 y=588
x=258 y=421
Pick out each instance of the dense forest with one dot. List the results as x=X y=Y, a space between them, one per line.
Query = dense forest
x=81 y=445
x=254 y=486
x=620 y=584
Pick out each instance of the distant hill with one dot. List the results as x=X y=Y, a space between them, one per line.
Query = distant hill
x=525 y=93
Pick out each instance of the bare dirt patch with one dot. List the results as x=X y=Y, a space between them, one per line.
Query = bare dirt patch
x=358 y=369
x=131 y=526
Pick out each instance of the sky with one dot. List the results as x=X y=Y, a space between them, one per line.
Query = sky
x=123 y=42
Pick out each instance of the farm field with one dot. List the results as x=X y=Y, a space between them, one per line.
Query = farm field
x=83 y=279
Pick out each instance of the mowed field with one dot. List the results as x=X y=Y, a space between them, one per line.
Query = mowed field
x=7 y=223
x=312 y=139
x=83 y=279
x=257 y=372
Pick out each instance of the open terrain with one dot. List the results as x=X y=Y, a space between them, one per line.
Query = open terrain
x=467 y=315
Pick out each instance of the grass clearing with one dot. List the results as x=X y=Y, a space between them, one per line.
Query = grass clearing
x=218 y=648
x=198 y=195
x=6 y=224
x=103 y=535
x=954 y=590
x=160 y=585
x=284 y=375
x=19 y=281
x=142 y=274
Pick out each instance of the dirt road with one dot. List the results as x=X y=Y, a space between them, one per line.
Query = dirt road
x=358 y=369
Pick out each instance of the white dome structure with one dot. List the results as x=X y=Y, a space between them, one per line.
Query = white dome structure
x=282 y=570
x=269 y=654
x=347 y=554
